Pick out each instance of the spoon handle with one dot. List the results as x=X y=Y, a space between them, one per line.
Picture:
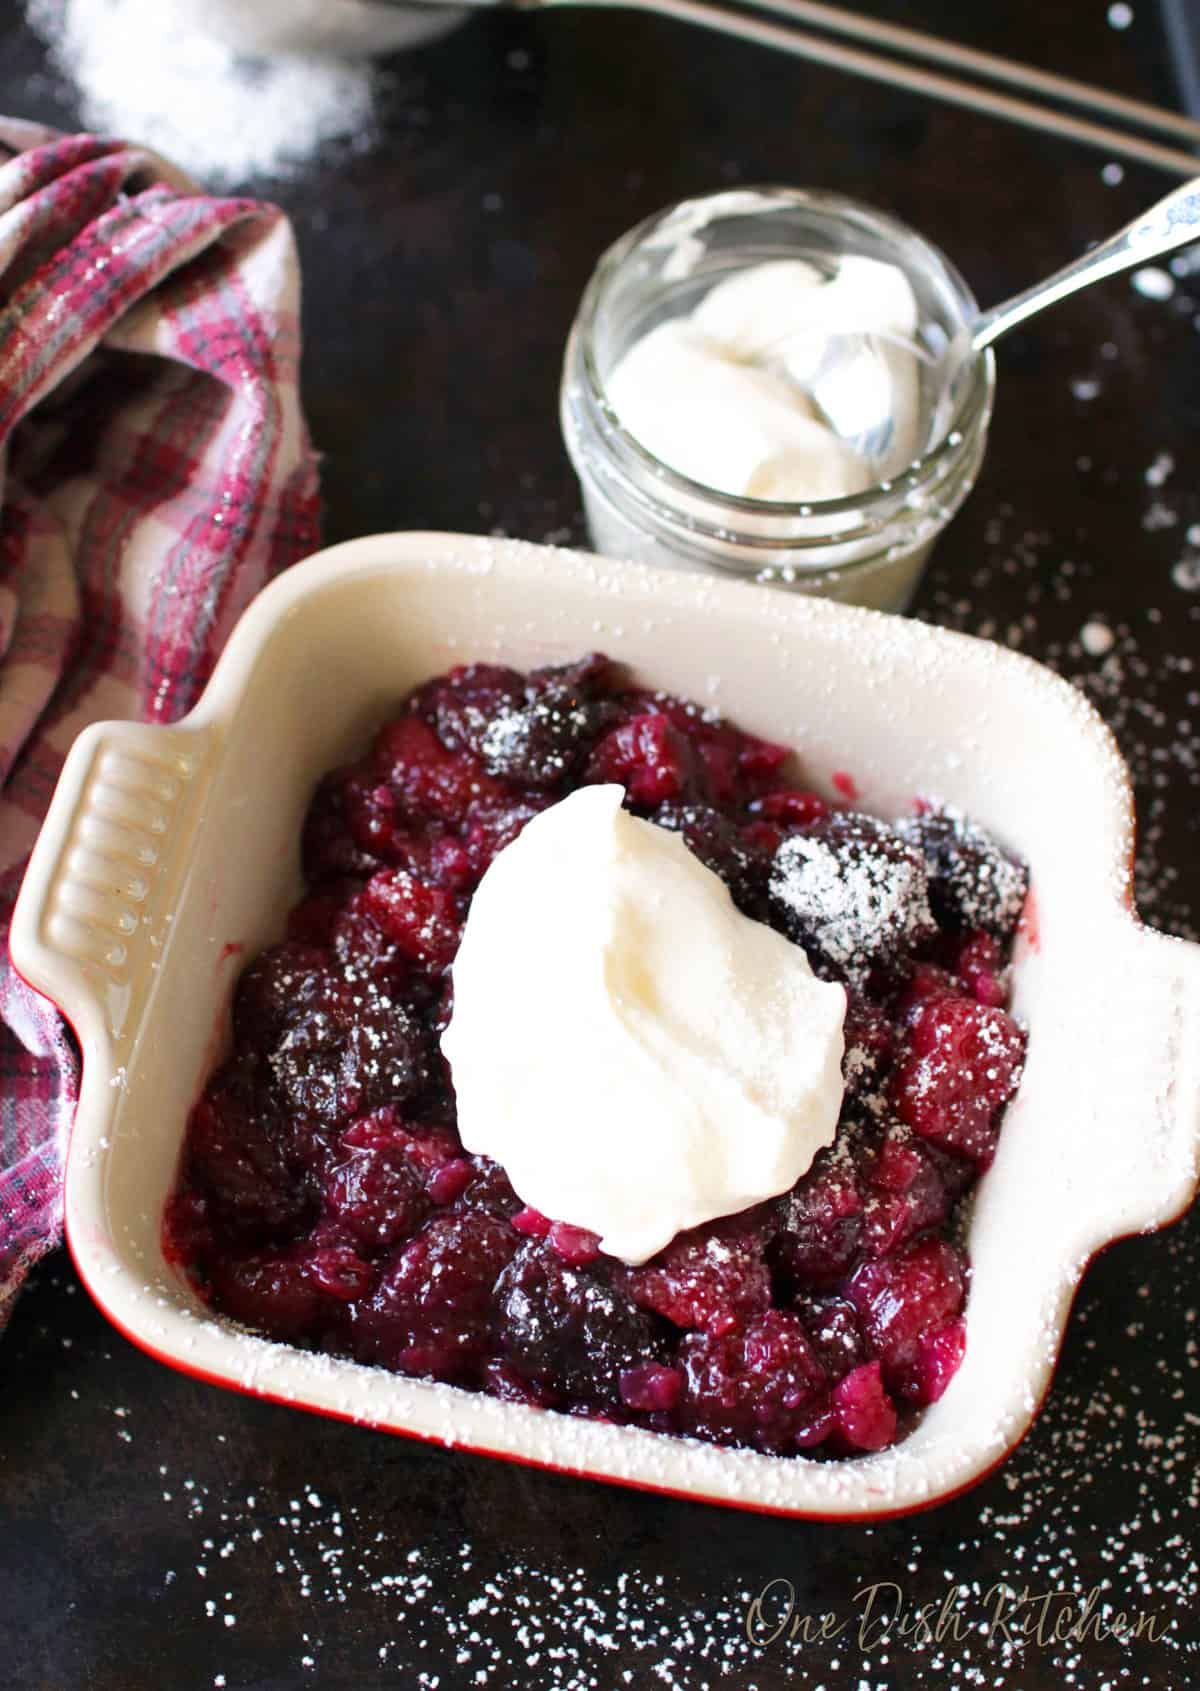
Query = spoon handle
x=1172 y=223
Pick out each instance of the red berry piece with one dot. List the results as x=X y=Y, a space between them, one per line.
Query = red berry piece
x=337 y=1269
x=814 y=1429
x=757 y=1386
x=377 y=821
x=429 y=783
x=820 y=1224
x=491 y=1190
x=926 y=983
x=420 y=919
x=733 y=767
x=431 y=1311
x=905 y=1193
x=759 y=761
x=359 y=944
x=980 y=968
x=651 y=1387
x=962 y=1067
x=452 y=1265
x=532 y=1223
x=795 y=809
x=649 y=757
x=937 y=1362
x=574 y=1244
x=712 y=1277
x=502 y=1380
x=869 y=1046
x=866 y=1415
x=903 y=1299
x=373 y=1193
x=450 y=1181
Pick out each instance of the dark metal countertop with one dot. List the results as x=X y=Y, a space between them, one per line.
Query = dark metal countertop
x=155 y=1532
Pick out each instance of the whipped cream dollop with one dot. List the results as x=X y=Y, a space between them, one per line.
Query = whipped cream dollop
x=752 y=392
x=639 y=1055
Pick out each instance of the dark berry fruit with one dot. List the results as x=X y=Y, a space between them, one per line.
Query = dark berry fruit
x=270 y=1291
x=833 y=1331
x=329 y=849
x=238 y=1155
x=276 y=987
x=852 y=893
x=567 y=1327
x=722 y=847
x=541 y=739
x=973 y=882
x=460 y=704
x=793 y=809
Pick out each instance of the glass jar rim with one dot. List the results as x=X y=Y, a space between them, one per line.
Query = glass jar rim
x=974 y=403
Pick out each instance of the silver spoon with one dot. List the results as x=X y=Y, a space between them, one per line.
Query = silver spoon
x=837 y=392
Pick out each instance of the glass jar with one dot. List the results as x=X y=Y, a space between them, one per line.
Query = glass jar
x=867 y=548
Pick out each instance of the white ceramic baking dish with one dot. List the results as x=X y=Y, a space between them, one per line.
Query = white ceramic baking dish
x=170 y=855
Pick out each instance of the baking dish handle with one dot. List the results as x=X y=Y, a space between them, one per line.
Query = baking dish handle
x=95 y=907
x=1149 y=1073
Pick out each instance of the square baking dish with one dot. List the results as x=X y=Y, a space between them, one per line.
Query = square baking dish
x=170 y=856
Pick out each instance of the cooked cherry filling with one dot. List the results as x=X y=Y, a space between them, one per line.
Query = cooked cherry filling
x=325 y=1199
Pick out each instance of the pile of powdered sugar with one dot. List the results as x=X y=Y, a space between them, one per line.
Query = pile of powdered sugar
x=231 y=92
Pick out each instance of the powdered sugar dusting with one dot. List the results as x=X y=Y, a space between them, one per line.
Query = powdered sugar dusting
x=852 y=895
x=154 y=71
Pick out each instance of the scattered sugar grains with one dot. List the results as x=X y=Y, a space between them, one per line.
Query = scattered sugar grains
x=485 y=1614
x=1096 y=638
x=151 y=71
x=1153 y=283
x=1151 y=699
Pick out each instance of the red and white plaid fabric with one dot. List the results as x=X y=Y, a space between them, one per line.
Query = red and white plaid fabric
x=155 y=471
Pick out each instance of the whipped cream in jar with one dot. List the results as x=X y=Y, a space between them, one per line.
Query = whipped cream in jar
x=756 y=383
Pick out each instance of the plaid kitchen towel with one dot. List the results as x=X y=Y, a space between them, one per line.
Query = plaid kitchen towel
x=155 y=471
